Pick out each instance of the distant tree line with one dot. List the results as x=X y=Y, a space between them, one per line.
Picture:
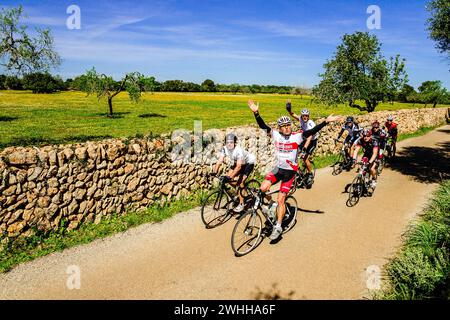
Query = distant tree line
x=47 y=83
x=429 y=92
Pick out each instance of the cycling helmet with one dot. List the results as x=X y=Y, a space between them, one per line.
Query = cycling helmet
x=231 y=137
x=375 y=124
x=305 y=112
x=367 y=133
x=390 y=118
x=284 y=120
x=349 y=119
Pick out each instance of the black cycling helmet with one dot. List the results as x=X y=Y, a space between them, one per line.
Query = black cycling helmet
x=231 y=137
x=349 y=119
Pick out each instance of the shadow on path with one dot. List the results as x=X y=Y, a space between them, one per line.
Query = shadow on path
x=427 y=165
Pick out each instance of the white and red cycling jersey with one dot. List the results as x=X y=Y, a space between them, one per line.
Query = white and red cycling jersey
x=286 y=148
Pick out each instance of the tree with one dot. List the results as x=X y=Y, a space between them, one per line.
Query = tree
x=358 y=71
x=13 y=83
x=2 y=82
x=406 y=93
x=173 y=86
x=433 y=92
x=398 y=77
x=105 y=87
x=19 y=52
x=42 y=83
x=234 y=87
x=301 y=90
x=439 y=24
x=150 y=84
x=208 y=85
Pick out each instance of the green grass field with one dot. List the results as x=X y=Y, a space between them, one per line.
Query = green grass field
x=36 y=119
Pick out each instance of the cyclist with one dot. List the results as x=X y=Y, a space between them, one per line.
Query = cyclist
x=392 y=131
x=353 y=130
x=380 y=135
x=242 y=165
x=371 y=148
x=309 y=144
x=286 y=145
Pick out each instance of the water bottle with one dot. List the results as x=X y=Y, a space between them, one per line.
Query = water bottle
x=265 y=209
x=273 y=210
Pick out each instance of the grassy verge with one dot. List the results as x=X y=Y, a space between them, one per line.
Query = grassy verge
x=421 y=270
x=22 y=250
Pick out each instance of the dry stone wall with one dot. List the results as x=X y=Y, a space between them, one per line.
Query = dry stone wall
x=83 y=182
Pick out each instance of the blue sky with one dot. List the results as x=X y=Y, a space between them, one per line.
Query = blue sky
x=279 y=42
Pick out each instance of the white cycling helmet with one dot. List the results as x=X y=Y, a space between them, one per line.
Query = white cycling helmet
x=284 y=120
x=390 y=118
x=305 y=112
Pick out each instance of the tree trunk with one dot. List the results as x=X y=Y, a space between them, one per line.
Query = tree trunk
x=434 y=105
x=110 y=115
x=371 y=105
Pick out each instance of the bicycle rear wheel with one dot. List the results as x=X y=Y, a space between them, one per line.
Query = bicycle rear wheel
x=338 y=166
x=355 y=191
x=215 y=209
x=246 y=233
x=290 y=218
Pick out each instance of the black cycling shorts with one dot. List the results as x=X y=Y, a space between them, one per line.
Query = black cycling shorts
x=312 y=146
x=245 y=170
x=350 y=139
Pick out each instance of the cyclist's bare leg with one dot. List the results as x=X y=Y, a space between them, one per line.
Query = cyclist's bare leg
x=308 y=164
x=241 y=188
x=373 y=171
x=281 y=207
x=265 y=186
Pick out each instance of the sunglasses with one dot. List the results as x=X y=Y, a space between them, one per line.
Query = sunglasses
x=285 y=126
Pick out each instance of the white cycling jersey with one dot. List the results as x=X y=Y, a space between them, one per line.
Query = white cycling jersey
x=286 y=148
x=238 y=153
x=308 y=125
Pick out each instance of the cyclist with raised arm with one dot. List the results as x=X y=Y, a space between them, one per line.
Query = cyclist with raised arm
x=309 y=145
x=392 y=131
x=371 y=148
x=353 y=131
x=286 y=146
x=242 y=165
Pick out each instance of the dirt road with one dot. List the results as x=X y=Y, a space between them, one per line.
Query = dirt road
x=325 y=256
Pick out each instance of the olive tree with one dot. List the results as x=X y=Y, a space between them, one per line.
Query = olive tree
x=439 y=24
x=359 y=72
x=104 y=86
x=21 y=53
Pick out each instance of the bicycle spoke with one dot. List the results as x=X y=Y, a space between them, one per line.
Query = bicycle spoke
x=216 y=209
x=246 y=233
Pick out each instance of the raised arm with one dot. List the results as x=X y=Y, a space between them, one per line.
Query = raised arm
x=319 y=127
x=289 y=109
x=255 y=108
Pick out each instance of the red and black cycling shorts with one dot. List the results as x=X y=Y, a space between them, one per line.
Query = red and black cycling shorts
x=285 y=176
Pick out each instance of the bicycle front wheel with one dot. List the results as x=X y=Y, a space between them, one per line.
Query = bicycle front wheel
x=215 y=209
x=338 y=165
x=355 y=191
x=246 y=233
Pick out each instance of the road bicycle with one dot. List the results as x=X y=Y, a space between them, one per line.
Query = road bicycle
x=217 y=206
x=344 y=160
x=258 y=221
x=390 y=149
x=361 y=184
x=301 y=179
